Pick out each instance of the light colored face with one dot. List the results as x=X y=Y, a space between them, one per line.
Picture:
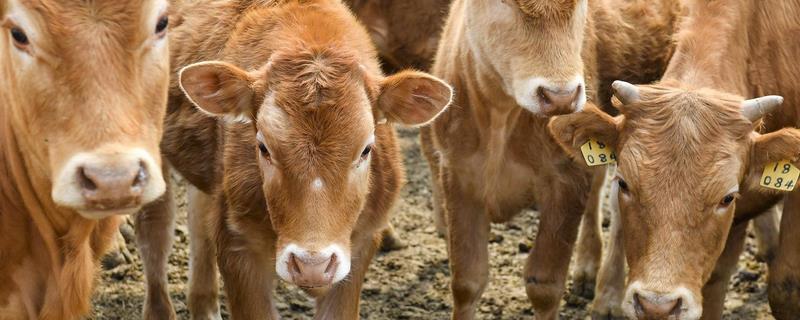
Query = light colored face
x=315 y=162
x=683 y=157
x=535 y=48
x=315 y=113
x=89 y=80
x=676 y=187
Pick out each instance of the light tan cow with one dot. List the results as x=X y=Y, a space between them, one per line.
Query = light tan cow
x=687 y=151
x=309 y=123
x=513 y=64
x=82 y=95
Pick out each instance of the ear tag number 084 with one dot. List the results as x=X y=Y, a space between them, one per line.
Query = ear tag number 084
x=780 y=175
x=596 y=153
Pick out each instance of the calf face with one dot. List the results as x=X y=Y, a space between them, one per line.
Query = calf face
x=315 y=115
x=87 y=86
x=684 y=156
x=535 y=48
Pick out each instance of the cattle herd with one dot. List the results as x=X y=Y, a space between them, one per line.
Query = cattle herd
x=280 y=116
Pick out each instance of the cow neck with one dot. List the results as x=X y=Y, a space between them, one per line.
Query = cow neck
x=69 y=240
x=483 y=93
x=713 y=47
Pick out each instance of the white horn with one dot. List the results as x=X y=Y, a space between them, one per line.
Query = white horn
x=625 y=92
x=754 y=109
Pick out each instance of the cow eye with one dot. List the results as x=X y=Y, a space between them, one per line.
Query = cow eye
x=727 y=200
x=623 y=186
x=19 y=36
x=366 y=152
x=263 y=149
x=161 y=26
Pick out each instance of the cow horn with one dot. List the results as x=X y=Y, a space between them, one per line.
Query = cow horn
x=625 y=92
x=754 y=109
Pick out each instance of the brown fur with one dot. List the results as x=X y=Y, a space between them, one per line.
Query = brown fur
x=316 y=96
x=49 y=253
x=490 y=158
x=682 y=134
x=406 y=33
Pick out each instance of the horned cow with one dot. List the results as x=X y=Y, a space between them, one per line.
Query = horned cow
x=692 y=153
x=514 y=64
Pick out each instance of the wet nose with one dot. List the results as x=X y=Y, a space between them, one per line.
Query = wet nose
x=312 y=270
x=559 y=100
x=107 y=186
x=657 y=307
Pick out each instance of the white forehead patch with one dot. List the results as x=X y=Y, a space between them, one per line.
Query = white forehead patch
x=317 y=184
x=274 y=118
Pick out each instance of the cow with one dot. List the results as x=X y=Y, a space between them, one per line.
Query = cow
x=513 y=65
x=82 y=102
x=692 y=153
x=406 y=33
x=298 y=159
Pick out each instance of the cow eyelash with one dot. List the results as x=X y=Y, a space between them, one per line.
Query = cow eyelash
x=366 y=152
x=161 y=26
x=263 y=149
x=728 y=199
x=623 y=186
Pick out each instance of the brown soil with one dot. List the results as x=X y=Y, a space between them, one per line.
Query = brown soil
x=412 y=283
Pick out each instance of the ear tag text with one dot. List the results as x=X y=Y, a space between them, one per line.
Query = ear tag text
x=596 y=153
x=781 y=175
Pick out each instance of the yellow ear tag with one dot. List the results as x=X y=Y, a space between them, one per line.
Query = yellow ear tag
x=597 y=153
x=780 y=175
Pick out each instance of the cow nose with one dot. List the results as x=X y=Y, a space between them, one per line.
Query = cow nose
x=657 y=308
x=312 y=270
x=559 y=100
x=111 y=186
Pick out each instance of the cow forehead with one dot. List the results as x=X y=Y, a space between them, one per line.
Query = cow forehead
x=685 y=141
x=552 y=9
x=71 y=27
x=324 y=137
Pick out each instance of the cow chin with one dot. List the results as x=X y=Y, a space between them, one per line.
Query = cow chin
x=97 y=215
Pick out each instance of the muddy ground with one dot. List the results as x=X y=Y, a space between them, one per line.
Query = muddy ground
x=412 y=283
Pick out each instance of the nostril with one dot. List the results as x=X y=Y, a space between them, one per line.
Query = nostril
x=331 y=265
x=543 y=96
x=141 y=176
x=86 y=182
x=294 y=265
x=676 y=311
x=637 y=304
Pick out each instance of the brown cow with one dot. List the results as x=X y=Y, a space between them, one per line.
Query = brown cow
x=513 y=64
x=406 y=33
x=687 y=152
x=82 y=100
x=311 y=126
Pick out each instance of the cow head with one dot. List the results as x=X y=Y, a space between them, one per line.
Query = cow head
x=534 y=48
x=315 y=115
x=86 y=86
x=684 y=156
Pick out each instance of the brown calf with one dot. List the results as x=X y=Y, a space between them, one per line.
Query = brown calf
x=687 y=153
x=81 y=106
x=308 y=135
x=515 y=63
x=406 y=33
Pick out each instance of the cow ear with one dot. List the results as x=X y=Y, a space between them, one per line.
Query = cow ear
x=413 y=98
x=219 y=88
x=573 y=130
x=776 y=146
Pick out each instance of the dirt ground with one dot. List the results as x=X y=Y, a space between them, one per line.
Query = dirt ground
x=412 y=283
